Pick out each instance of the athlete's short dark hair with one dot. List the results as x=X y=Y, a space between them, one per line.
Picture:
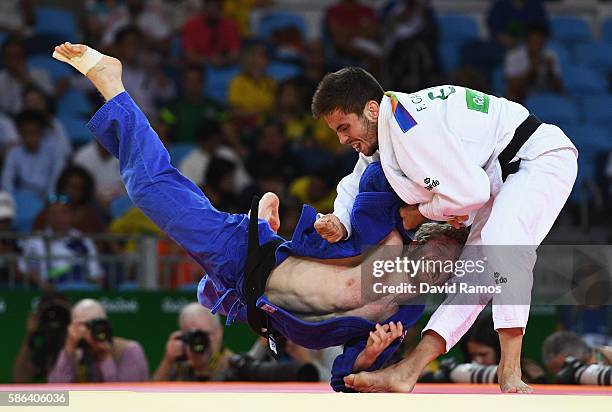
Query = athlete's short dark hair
x=348 y=90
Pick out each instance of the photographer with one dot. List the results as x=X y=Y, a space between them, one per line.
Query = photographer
x=92 y=354
x=45 y=333
x=195 y=352
x=573 y=362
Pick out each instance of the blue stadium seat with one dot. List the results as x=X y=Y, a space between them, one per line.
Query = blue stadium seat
x=178 y=151
x=120 y=205
x=553 y=109
x=597 y=110
x=606 y=30
x=570 y=30
x=597 y=56
x=55 y=68
x=3 y=37
x=457 y=28
x=280 y=71
x=276 y=20
x=449 y=56
x=76 y=128
x=74 y=102
x=218 y=81
x=42 y=43
x=592 y=142
x=28 y=206
x=498 y=82
x=563 y=54
x=582 y=80
x=56 y=20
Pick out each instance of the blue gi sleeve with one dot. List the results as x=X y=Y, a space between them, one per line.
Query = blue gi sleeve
x=172 y=201
x=343 y=364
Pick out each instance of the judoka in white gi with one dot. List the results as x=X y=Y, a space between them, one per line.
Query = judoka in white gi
x=458 y=155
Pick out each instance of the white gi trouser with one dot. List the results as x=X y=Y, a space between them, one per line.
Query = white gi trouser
x=522 y=213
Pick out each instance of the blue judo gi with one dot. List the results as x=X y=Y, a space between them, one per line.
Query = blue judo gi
x=218 y=240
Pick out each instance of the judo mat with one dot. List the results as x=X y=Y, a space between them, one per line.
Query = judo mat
x=313 y=397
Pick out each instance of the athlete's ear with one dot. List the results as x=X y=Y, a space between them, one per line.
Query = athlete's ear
x=370 y=111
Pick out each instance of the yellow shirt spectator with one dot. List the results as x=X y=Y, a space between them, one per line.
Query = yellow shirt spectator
x=253 y=96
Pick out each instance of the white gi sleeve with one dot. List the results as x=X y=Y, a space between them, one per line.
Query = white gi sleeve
x=437 y=161
x=347 y=191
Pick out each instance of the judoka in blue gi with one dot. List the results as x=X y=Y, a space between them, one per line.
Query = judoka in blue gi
x=281 y=288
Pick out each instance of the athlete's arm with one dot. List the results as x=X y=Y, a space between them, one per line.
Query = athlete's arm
x=347 y=191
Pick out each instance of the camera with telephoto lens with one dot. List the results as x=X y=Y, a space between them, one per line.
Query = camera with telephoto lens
x=197 y=340
x=575 y=372
x=246 y=368
x=100 y=329
x=47 y=340
x=451 y=371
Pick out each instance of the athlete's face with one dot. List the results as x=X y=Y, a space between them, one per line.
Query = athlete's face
x=361 y=132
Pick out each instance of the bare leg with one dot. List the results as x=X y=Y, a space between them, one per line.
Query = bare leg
x=509 y=369
x=402 y=376
x=268 y=210
x=105 y=75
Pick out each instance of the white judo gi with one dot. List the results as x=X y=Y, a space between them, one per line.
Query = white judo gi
x=439 y=149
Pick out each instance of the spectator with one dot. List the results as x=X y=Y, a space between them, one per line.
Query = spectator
x=195 y=352
x=46 y=328
x=196 y=163
x=241 y=10
x=353 y=29
x=16 y=17
x=292 y=112
x=30 y=166
x=314 y=68
x=77 y=187
x=65 y=257
x=211 y=38
x=147 y=16
x=55 y=136
x=191 y=108
x=507 y=20
x=252 y=93
x=9 y=274
x=104 y=168
x=147 y=85
x=271 y=148
x=92 y=354
x=317 y=190
x=532 y=67
x=411 y=59
x=220 y=177
x=9 y=136
x=16 y=76
x=558 y=346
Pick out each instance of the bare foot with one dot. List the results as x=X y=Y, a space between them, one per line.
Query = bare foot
x=391 y=379
x=105 y=75
x=510 y=381
x=268 y=210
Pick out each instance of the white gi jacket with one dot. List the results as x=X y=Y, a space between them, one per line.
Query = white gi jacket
x=439 y=147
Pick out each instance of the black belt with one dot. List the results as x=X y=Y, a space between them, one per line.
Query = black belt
x=521 y=135
x=259 y=264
